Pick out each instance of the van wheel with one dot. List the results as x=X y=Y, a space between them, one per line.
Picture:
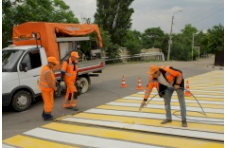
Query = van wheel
x=84 y=84
x=21 y=101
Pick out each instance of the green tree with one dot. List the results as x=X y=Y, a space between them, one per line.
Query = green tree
x=7 y=21
x=105 y=39
x=216 y=43
x=151 y=35
x=112 y=52
x=188 y=30
x=133 y=42
x=115 y=17
x=180 y=52
x=44 y=10
x=216 y=38
x=22 y=11
x=133 y=47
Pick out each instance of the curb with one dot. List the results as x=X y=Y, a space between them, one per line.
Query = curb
x=215 y=67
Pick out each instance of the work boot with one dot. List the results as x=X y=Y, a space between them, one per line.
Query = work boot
x=166 y=121
x=47 y=117
x=184 y=123
x=75 y=108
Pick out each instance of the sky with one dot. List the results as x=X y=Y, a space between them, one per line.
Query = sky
x=202 y=14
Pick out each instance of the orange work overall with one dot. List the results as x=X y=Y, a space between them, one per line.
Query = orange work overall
x=70 y=70
x=46 y=91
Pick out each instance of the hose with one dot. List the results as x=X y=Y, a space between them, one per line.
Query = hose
x=203 y=112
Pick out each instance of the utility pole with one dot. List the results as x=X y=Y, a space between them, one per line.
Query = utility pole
x=170 y=41
x=193 y=40
x=170 y=37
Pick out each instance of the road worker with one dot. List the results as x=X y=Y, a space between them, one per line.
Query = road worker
x=166 y=80
x=69 y=74
x=47 y=85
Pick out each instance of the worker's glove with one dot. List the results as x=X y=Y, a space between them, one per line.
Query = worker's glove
x=161 y=94
x=62 y=84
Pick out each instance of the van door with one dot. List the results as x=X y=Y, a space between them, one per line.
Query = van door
x=32 y=62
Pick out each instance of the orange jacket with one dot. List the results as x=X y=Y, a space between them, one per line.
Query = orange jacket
x=43 y=85
x=70 y=70
x=172 y=76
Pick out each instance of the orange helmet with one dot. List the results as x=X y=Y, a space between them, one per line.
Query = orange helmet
x=74 y=54
x=153 y=69
x=53 y=60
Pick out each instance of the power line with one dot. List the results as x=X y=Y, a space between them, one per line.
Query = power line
x=206 y=16
x=203 y=11
x=152 y=15
x=201 y=18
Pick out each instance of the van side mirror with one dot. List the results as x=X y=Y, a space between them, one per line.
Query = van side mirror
x=24 y=67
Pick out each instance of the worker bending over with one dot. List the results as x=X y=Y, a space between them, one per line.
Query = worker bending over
x=166 y=80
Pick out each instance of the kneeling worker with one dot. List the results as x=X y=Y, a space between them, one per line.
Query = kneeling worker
x=166 y=80
x=69 y=74
x=47 y=85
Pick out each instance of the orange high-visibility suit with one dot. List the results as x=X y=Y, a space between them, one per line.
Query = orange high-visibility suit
x=47 y=91
x=173 y=76
x=71 y=70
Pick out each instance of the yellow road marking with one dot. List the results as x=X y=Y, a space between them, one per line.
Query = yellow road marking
x=153 y=122
x=152 y=139
x=190 y=98
x=29 y=142
x=160 y=111
x=172 y=103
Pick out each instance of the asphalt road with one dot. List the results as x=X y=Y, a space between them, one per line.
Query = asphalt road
x=104 y=89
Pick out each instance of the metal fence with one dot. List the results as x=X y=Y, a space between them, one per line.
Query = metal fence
x=137 y=57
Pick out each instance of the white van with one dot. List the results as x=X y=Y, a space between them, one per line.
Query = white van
x=21 y=66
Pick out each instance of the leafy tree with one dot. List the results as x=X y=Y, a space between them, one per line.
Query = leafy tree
x=133 y=42
x=44 y=10
x=180 y=52
x=151 y=35
x=105 y=39
x=216 y=43
x=115 y=17
x=188 y=30
x=22 y=11
x=112 y=52
x=7 y=21
x=216 y=38
x=133 y=47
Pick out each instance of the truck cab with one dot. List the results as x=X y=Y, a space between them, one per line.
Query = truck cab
x=21 y=66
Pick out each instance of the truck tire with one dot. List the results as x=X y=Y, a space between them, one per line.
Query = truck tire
x=21 y=101
x=84 y=84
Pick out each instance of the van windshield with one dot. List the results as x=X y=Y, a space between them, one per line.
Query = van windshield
x=10 y=58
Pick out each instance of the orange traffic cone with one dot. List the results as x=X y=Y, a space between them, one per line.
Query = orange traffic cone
x=123 y=85
x=139 y=87
x=187 y=91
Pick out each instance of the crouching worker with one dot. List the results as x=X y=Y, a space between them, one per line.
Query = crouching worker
x=69 y=74
x=166 y=80
x=47 y=85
